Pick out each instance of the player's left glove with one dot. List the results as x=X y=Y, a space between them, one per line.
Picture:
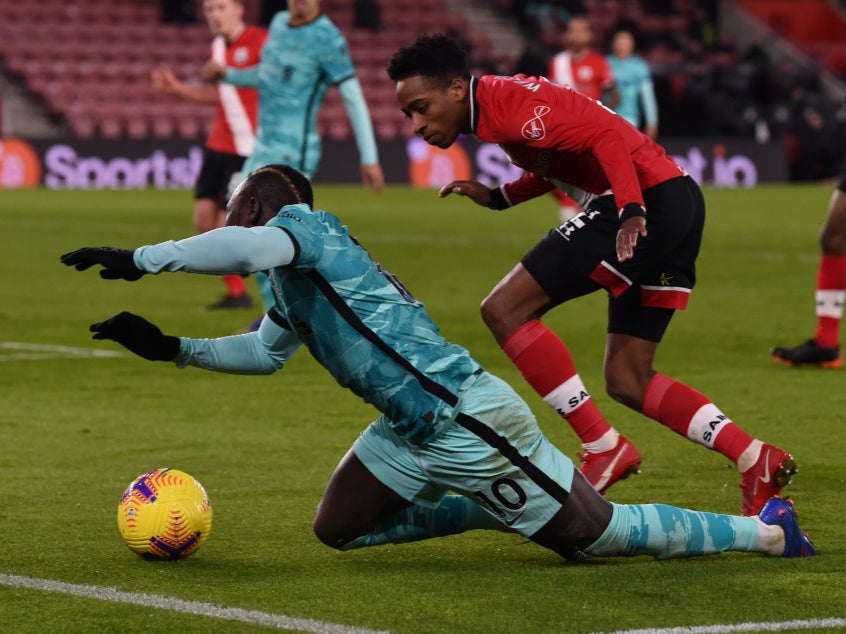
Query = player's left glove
x=137 y=335
x=117 y=263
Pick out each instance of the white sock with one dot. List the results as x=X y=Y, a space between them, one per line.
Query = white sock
x=606 y=442
x=749 y=456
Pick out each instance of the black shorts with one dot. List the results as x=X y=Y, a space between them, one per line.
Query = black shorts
x=580 y=257
x=216 y=174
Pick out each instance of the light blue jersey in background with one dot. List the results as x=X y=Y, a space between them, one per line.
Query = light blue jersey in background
x=298 y=64
x=637 y=94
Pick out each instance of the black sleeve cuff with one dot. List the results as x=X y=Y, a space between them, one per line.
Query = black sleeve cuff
x=498 y=200
x=632 y=210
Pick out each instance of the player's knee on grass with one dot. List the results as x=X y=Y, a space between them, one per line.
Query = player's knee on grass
x=330 y=529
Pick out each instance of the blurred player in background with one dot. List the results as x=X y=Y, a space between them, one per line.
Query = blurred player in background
x=447 y=426
x=637 y=103
x=305 y=53
x=585 y=70
x=823 y=350
x=563 y=139
x=232 y=136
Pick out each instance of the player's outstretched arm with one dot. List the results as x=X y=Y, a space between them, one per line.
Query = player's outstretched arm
x=118 y=264
x=262 y=352
x=137 y=335
x=222 y=251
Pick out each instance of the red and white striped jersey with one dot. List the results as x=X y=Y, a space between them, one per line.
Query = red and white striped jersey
x=234 y=127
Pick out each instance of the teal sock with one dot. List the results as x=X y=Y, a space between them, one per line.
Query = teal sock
x=265 y=290
x=455 y=514
x=667 y=531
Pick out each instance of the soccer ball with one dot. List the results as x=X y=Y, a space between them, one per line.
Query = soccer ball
x=164 y=514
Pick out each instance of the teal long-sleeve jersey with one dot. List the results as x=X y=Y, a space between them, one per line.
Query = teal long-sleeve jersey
x=297 y=66
x=637 y=93
x=355 y=318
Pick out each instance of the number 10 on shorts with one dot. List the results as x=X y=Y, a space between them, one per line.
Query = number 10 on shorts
x=505 y=498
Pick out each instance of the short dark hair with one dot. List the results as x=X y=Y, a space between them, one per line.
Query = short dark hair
x=279 y=185
x=437 y=57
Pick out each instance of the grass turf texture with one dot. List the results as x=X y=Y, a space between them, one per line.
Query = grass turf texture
x=76 y=431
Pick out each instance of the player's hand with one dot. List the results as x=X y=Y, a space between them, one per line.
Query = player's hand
x=138 y=335
x=213 y=71
x=474 y=190
x=627 y=236
x=165 y=81
x=372 y=177
x=117 y=263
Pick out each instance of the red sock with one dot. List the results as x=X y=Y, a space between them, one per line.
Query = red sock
x=690 y=414
x=546 y=364
x=831 y=290
x=235 y=284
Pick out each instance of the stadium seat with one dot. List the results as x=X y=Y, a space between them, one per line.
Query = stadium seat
x=91 y=63
x=193 y=128
x=82 y=127
x=161 y=127
x=110 y=128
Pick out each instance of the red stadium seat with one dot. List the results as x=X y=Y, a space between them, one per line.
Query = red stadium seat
x=163 y=127
x=110 y=128
x=91 y=63
x=82 y=127
x=190 y=128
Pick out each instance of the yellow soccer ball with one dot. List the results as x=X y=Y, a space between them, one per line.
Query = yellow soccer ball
x=164 y=514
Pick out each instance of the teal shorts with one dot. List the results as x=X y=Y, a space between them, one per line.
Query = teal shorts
x=492 y=452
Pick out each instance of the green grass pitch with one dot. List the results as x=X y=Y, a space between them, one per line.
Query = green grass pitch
x=76 y=429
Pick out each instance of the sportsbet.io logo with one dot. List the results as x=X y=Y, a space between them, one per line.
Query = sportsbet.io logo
x=20 y=165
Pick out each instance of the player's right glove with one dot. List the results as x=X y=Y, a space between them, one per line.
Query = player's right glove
x=137 y=335
x=117 y=263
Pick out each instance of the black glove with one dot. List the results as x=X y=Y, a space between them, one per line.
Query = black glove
x=117 y=263
x=137 y=335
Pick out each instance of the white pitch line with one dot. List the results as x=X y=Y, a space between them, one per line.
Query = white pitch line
x=253 y=617
x=45 y=351
x=776 y=626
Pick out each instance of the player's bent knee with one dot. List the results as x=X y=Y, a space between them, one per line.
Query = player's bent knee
x=332 y=529
x=330 y=533
x=490 y=310
x=499 y=317
x=340 y=540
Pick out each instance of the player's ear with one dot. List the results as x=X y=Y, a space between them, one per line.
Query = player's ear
x=458 y=88
x=255 y=212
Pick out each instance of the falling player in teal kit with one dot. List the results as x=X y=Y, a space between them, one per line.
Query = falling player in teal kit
x=447 y=425
x=303 y=55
